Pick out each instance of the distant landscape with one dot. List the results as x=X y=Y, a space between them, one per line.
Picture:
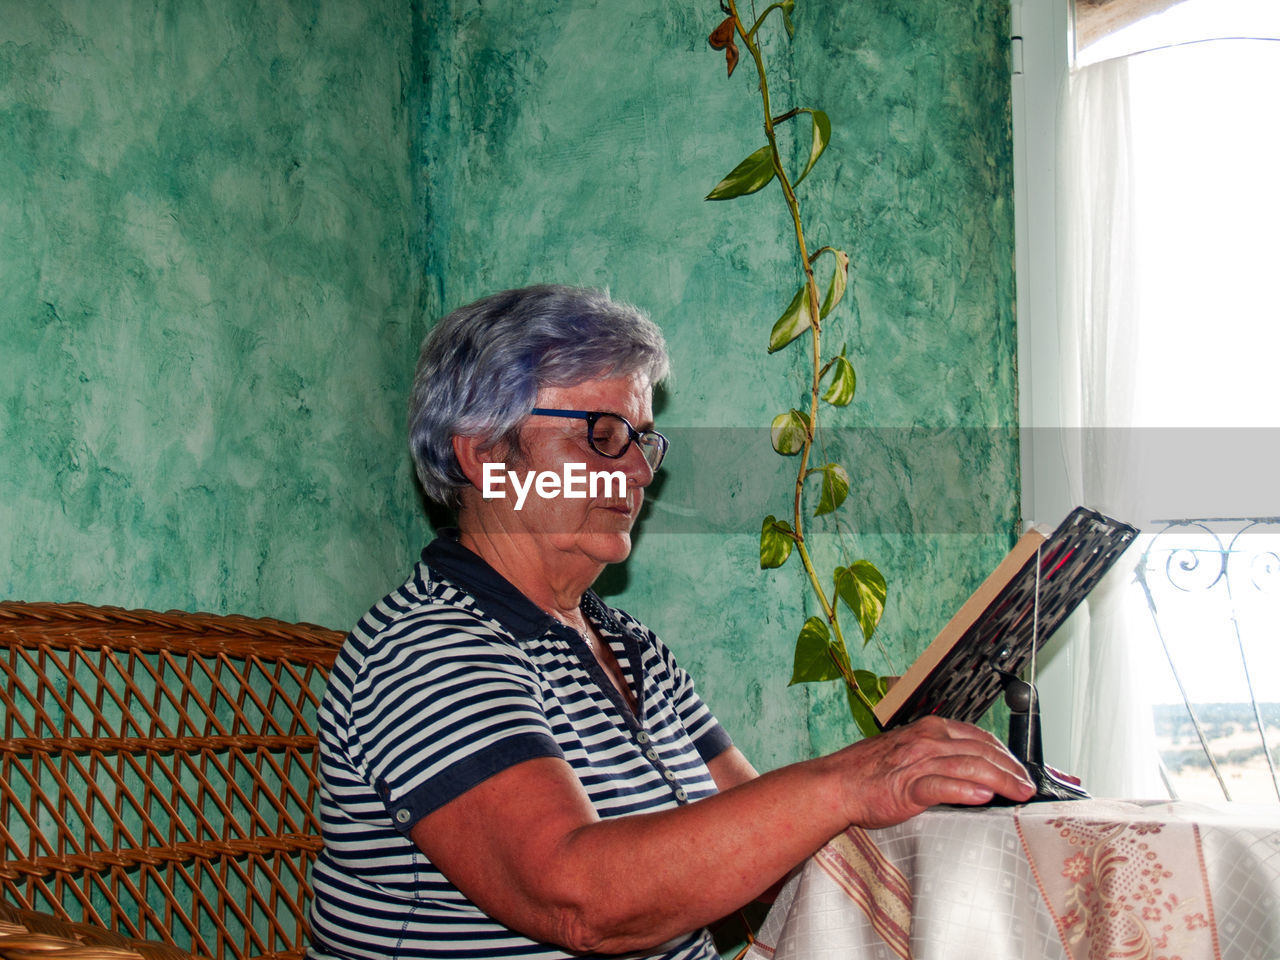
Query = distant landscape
x=1232 y=732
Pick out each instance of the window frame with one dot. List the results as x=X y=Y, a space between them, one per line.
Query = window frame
x=1041 y=42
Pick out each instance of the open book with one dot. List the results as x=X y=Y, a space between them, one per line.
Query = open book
x=1015 y=610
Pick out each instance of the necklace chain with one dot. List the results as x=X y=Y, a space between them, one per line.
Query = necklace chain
x=588 y=635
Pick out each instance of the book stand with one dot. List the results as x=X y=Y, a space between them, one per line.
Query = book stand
x=984 y=648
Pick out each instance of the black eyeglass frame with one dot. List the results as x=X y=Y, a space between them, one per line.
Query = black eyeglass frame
x=649 y=439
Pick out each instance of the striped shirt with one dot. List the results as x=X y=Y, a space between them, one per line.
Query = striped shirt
x=447 y=681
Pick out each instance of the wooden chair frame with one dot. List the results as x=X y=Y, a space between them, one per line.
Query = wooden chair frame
x=158 y=782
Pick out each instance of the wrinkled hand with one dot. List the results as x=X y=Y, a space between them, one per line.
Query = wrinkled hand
x=892 y=777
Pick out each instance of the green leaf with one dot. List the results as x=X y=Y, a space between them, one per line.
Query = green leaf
x=835 y=487
x=752 y=174
x=844 y=381
x=813 y=662
x=789 y=431
x=795 y=320
x=839 y=281
x=875 y=687
x=776 y=541
x=864 y=718
x=862 y=587
x=821 y=137
x=841 y=655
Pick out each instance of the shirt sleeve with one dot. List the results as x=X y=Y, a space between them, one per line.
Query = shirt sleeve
x=443 y=706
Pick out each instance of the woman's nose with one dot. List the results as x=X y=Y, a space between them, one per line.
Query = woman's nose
x=636 y=466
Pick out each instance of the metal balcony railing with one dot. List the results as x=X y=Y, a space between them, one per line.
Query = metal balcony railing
x=1212 y=586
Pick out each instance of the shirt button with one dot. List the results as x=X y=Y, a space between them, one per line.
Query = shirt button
x=651 y=754
x=402 y=816
x=681 y=794
x=642 y=738
x=669 y=775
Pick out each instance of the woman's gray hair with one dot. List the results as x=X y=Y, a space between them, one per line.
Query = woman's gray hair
x=481 y=367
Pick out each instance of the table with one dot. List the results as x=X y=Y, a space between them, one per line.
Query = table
x=1080 y=880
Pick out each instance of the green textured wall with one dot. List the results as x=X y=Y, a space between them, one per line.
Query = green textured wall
x=210 y=249
x=573 y=141
x=225 y=226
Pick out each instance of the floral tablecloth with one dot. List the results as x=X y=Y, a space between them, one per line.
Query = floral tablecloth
x=1084 y=880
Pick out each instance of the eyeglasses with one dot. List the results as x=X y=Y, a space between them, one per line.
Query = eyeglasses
x=611 y=435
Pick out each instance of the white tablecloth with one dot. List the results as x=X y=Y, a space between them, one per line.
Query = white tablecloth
x=1085 y=880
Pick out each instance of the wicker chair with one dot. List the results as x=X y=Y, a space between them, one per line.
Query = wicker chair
x=157 y=783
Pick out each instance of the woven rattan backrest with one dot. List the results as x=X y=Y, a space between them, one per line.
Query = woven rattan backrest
x=158 y=773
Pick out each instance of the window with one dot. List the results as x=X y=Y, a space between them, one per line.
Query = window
x=1149 y=231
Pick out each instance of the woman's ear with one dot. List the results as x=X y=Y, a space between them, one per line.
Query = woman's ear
x=472 y=456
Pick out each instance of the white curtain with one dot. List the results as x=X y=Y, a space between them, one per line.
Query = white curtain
x=1143 y=377
x=1113 y=744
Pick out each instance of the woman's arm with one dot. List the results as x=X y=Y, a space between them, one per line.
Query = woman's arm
x=730 y=768
x=528 y=849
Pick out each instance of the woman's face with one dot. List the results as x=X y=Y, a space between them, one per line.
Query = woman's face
x=594 y=529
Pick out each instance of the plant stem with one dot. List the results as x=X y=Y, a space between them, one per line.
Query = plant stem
x=811 y=287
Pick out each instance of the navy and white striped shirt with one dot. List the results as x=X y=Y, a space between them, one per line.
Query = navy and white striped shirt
x=448 y=680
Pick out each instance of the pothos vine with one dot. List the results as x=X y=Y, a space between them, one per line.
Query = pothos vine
x=821 y=652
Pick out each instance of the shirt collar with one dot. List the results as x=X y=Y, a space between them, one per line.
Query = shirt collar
x=498 y=597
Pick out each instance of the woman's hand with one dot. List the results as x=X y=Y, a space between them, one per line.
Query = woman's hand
x=527 y=847
x=894 y=776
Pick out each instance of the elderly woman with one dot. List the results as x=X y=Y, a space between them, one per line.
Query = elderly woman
x=513 y=768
